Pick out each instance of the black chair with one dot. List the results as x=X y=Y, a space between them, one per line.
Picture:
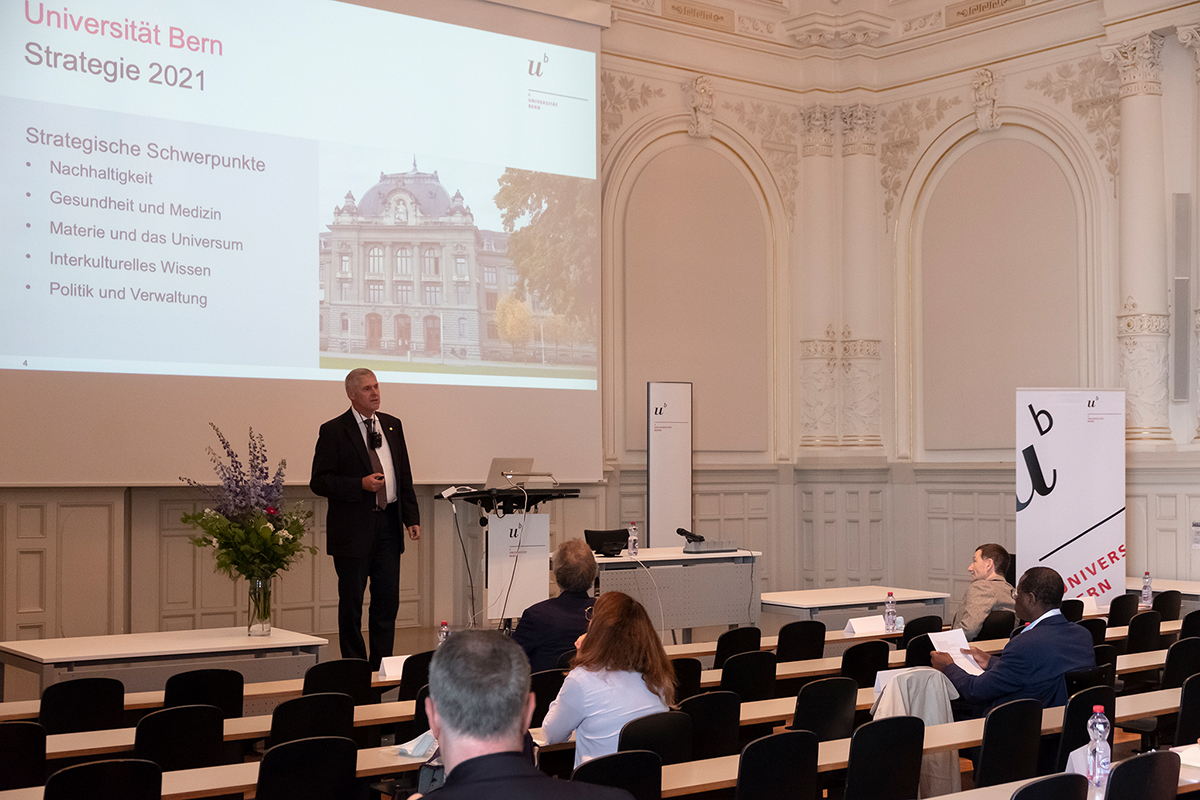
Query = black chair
x=23 y=762
x=312 y=715
x=750 y=675
x=1122 y=609
x=997 y=625
x=116 y=779
x=181 y=737
x=545 y=686
x=668 y=734
x=862 y=661
x=82 y=704
x=919 y=627
x=826 y=707
x=1075 y=718
x=782 y=766
x=1012 y=734
x=1062 y=786
x=1168 y=604
x=1106 y=654
x=350 y=676
x=687 y=677
x=1072 y=609
x=1149 y=776
x=223 y=688
x=1187 y=730
x=739 y=640
x=716 y=720
x=919 y=652
x=638 y=772
x=1144 y=632
x=885 y=760
x=1099 y=675
x=420 y=722
x=1183 y=661
x=313 y=768
x=1097 y=627
x=1191 y=625
x=413 y=675
x=802 y=640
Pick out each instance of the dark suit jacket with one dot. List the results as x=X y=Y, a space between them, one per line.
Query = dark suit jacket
x=1031 y=665
x=549 y=628
x=510 y=776
x=340 y=463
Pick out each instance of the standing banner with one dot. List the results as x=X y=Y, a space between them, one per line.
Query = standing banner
x=1071 y=487
x=518 y=551
x=668 y=462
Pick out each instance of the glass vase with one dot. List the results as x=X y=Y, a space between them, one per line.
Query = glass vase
x=259 y=611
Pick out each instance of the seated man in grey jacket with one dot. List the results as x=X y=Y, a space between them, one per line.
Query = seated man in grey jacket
x=988 y=591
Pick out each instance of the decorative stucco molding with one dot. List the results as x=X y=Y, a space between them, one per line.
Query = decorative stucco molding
x=621 y=95
x=1140 y=63
x=1093 y=87
x=818 y=130
x=858 y=129
x=1189 y=37
x=819 y=29
x=900 y=129
x=986 y=91
x=698 y=98
x=1142 y=359
x=779 y=130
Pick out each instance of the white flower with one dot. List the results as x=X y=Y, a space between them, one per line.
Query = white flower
x=270 y=527
x=285 y=534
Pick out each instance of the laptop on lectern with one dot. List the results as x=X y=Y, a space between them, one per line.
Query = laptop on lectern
x=496 y=479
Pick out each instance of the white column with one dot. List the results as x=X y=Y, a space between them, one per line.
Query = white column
x=860 y=345
x=1189 y=37
x=818 y=282
x=1142 y=319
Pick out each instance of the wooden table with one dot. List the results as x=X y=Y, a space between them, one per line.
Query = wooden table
x=837 y=604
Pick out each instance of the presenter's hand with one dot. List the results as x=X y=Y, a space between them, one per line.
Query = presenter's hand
x=939 y=660
x=981 y=658
x=373 y=482
x=414 y=532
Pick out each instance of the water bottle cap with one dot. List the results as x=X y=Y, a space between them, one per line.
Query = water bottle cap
x=445 y=623
x=1097 y=709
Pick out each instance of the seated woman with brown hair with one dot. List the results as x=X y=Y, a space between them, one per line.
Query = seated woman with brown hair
x=620 y=672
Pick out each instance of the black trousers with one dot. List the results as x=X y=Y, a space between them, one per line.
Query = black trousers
x=381 y=569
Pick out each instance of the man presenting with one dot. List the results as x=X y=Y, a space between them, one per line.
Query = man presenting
x=361 y=466
x=988 y=591
x=1032 y=664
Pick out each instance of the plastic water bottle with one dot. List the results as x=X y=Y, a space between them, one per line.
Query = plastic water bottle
x=443 y=632
x=889 y=614
x=633 y=544
x=1147 y=591
x=1098 y=752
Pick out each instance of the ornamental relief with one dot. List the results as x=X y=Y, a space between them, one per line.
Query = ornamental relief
x=860 y=402
x=1143 y=367
x=621 y=95
x=1093 y=87
x=818 y=410
x=778 y=130
x=901 y=130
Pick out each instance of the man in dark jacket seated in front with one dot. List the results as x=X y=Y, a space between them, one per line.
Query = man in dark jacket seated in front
x=1032 y=664
x=549 y=628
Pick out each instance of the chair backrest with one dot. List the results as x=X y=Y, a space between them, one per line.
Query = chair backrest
x=420 y=722
x=1183 y=661
x=1144 y=632
x=997 y=625
x=917 y=627
x=1187 y=729
x=23 y=764
x=1063 y=786
x=82 y=704
x=1012 y=734
x=313 y=768
x=687 y=677
x=350 y=676
x=1168 y=603
x=885 y=760
x=1190 y=626
x=716 y=722
x=1097 y=627
x=1075 y=718
x=1072 y=609
x=181 y=737
x=919 y=652
x=750 y=675
x=1148 y=776
x=782 y=766
x=1121 y=609
x=115 y=779
x=1106 y=654
x=826 y=707
x=747 y=639
x=862 y=661
x=1099 y=675
x=312 y=715
x=638 y=772
x=667 y=733
x=223 y=688
x=801 y=640
x=413 y=675
x=545 y=686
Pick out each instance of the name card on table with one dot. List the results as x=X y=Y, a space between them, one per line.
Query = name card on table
x=1090 y=607
x=860 y=625
x=392 y=666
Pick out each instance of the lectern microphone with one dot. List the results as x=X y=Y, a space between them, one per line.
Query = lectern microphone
x=691 y=537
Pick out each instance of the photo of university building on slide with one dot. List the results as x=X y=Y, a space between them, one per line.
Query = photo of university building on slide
x=408 y=280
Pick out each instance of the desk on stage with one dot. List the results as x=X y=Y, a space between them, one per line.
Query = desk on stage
x=694 y=589
x=144 y=661
x=835 y=605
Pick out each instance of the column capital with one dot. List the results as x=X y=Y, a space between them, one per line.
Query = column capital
x=817 y=123
x=858 y=129
x=1139 y=62
x=1189 y=37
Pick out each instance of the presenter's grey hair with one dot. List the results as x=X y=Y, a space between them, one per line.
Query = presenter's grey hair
x=479 y=681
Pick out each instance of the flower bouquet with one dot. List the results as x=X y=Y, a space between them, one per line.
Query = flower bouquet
x=249 y=530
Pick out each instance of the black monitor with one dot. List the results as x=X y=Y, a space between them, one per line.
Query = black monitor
x=607 y=543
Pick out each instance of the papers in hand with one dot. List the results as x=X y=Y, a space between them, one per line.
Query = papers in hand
x=392 y=666
x=954 y=642
x=419 y=747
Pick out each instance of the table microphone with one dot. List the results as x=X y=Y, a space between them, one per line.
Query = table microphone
x=691 y=537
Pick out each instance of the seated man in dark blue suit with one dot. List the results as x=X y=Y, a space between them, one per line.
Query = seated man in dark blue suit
x=549 y=628
x=1034 y=663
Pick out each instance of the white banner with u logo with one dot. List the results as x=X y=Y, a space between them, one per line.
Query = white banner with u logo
x=1070 y=487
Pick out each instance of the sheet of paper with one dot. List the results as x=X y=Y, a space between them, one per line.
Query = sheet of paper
x=391 y=666
x=873 y=624
x=954 y=642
